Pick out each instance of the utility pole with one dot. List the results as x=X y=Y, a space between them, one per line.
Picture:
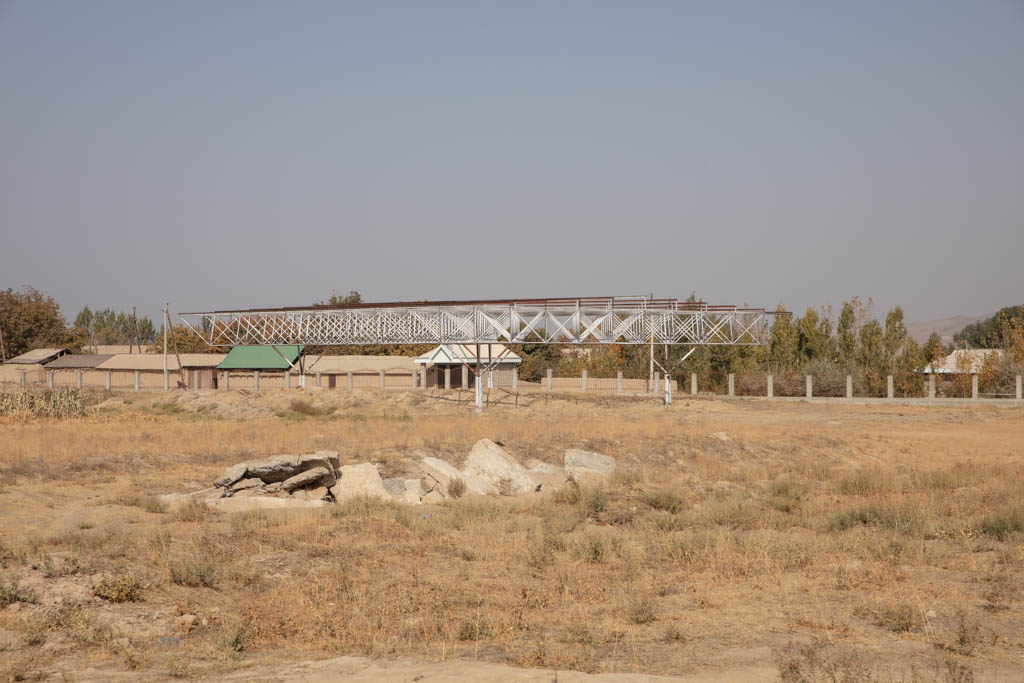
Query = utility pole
x=3 y=349
x=166 y=323
x=650 y=371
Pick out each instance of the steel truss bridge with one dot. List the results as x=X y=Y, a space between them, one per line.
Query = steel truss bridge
x=596 y=320
x=590 y=320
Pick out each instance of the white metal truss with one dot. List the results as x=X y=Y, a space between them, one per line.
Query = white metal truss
x=542 y=321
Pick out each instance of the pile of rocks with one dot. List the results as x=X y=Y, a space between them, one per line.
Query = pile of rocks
x=318 y=478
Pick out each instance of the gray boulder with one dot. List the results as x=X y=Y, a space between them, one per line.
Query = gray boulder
x=231 y=475
x=318 y=476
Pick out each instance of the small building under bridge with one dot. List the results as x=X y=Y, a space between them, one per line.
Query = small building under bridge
x=446 y=365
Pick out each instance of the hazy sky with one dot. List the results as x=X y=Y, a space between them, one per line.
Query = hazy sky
x=245 y=154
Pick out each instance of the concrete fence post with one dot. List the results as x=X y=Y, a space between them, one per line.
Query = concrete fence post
x=195 y=380
x=849 y=386
x=931 y=386
x=618 y=382
x=108 y=380
x=693 y=384
x=583 y=381
x=657 y=381
x=423 y=378
x=287 y=379
x=381 y=379
x=302 y=380
x=78 y=379
x=256 y=379
x=732 y=385
x=137 y=377
x=810 y=386
x=349 y=380
x=412 y=379
x=890 y=391
x=771 y=386
x=974 y=385
x=25 y=381
x=1020 y=385
x=549 y=379
x=515 y=379
x=318 y=380
x=447 y=377
x=464 y=376
x=227 y=380
x=49 y=379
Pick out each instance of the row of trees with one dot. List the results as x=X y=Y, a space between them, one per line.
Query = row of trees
x=826 y=345
x=30 y=318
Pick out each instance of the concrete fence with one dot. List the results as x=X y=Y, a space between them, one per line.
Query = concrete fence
x=765 y=386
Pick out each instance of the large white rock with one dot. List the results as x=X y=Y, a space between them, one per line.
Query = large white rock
x=584 y=476
x=442 y=472
x=404 y=490
x=493 y=464
x=550 y=477
x=576 y=459
x=359 y=480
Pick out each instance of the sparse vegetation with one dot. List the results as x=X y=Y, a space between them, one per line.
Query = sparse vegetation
x=856 y=530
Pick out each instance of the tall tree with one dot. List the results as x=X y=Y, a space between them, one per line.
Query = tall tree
x=29 y=319
x=895 y=335
x=846 y=334
x=783 y=344
x=932 y=351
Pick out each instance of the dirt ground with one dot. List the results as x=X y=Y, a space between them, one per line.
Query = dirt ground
x=739 y=541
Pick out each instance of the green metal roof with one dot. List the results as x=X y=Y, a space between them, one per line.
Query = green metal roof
x=260 y=357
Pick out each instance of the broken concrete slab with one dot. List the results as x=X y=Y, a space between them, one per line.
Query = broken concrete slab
x=315 y=476
x=491 y=463
x=584 y=476
x=359 y=480
x=576 y=458
x=404 y=490
x=442 y=473
x=550 y=477
x=247 y=483
x=232 y=475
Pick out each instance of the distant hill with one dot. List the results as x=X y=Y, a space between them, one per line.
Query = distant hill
x=946 y=327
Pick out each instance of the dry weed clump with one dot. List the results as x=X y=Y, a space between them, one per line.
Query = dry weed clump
x=119 y=587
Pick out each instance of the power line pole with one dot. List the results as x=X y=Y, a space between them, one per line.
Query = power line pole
x=166 y=323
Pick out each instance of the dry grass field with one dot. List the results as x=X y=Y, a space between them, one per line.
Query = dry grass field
x=741 y=540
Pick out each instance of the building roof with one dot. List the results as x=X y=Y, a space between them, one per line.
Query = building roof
x=962 y=361
x=37 y=356
x=448 y=354
x=278 y=357
x=357 y=364
x=78 y=360
x=155 y=361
